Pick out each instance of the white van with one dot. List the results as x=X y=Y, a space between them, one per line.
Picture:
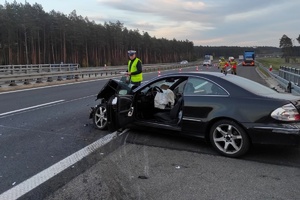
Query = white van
x=207 y=63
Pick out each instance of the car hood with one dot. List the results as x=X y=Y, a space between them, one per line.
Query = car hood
x=113 y=87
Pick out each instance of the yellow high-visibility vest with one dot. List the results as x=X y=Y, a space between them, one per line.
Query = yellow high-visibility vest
x=136 y=77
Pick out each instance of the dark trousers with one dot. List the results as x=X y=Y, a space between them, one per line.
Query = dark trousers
x=136 y=83
x=233 y=71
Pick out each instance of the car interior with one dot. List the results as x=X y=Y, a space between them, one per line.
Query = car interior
x=145 y=109
x=144 y=99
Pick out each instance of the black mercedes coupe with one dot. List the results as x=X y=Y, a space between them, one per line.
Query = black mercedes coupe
x=229 y=111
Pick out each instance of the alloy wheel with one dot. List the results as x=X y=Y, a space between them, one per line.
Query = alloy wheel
x=229 y=139
x=100 y=117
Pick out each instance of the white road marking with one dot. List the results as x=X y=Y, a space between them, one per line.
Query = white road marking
x=36 y=180
x=23 y=109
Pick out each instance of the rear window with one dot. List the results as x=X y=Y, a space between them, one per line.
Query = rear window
x=250 y=85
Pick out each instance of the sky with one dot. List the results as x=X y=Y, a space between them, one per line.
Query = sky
x=205 y=23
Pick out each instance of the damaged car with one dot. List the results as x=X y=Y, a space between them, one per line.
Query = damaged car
x=230 y=112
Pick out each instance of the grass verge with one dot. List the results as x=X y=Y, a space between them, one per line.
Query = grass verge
x=277 y=62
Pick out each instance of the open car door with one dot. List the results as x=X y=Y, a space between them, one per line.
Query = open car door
x=120 y=111
x=113 y=87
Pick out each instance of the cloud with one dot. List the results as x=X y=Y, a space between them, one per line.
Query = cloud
x=205 y=22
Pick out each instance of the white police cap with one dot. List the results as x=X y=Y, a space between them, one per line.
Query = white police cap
x=131 y=52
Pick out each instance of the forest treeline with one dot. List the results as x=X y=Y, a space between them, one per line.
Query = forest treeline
x=29 y=35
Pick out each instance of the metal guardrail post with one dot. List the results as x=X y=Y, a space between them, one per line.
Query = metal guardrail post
x=289 y=87
x=284 y=74
x=26 y=82
x=12 y=83
x=39 y=80
x=298 y=77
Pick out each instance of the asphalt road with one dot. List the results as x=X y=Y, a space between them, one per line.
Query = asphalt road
x=138 y=164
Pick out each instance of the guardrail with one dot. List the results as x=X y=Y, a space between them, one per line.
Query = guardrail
x=290 y=73
x=287 y=79
x=12 y=79
x=36 y=68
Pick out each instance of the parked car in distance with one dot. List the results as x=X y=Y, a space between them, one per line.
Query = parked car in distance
x=228 y=111
x=184 y=62
x=207 y=63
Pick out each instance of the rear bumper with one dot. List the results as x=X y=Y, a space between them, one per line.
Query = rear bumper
x=281 y=134
x=248 y=64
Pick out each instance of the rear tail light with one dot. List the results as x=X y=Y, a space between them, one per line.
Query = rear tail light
x=287 y=113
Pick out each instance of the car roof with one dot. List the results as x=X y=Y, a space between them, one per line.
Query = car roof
x=236 y=85
x=231 y=81
x=209 y=75
x=206 y=74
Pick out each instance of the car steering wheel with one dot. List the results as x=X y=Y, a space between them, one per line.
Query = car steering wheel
x=156 y=89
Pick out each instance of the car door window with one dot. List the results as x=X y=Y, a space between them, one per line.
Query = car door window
x=199 y=86
x=163 y=83
x=195 y=86
x=217 y=90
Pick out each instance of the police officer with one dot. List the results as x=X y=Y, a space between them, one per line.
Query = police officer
x=134 y=70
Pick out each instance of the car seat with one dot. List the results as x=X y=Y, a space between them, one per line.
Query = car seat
x=172 y=116
x=189 y=88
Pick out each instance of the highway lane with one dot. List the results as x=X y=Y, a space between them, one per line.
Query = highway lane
x=41 y=126
x=34 y=135
x=35 y=139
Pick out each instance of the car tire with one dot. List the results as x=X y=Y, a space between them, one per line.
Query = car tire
x=100 y=117
x=229 y=138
